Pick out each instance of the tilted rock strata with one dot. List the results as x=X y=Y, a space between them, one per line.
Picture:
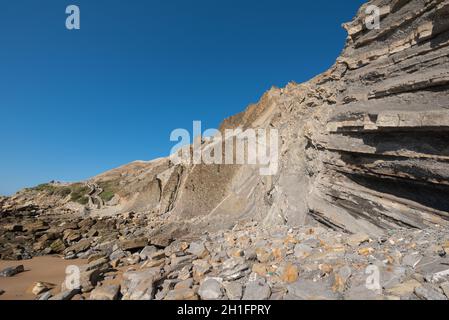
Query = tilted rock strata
x=362 y=146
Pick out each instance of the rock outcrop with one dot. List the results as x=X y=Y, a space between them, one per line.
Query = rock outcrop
x=362 y=186
x=362 y=147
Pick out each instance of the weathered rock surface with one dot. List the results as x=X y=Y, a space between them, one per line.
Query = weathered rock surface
x=11 y=271
x=362 y=181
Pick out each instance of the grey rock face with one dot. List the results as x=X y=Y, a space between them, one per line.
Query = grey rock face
x=109 y=292
x=66 y=295
x=234 y=290
x=211 y=289
x=45 y=296
x=310 y=290
x=428 y=292
x=365 y=142
x=257 y=290
x=12 y=271
x=363 y=156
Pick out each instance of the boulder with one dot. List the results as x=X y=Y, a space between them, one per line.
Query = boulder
x=41 y=287
x=107 y=292
x=134 y=244
x=257 y=290
x=234 y=290
x=12 y=271
x=211 y=289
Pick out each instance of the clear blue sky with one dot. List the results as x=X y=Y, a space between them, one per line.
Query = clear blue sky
x=76 y=103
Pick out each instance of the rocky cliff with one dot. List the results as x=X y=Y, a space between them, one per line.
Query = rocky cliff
x=363 y=147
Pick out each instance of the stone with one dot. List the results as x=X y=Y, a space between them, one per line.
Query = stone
x=12 y=271
x=357 y=239
x=210 y=289
x=370 y=132
x=153 y=263
x=302 y=251
x=72 y=235
x=427 y=292
x=13 y=228
x=108 y=292
x=167 y=285
x=200 y=269
x=278 y=254
x=260 y=269
x=147 y=252
x=236 y=252
x=158 y=255
x=89 y=280
x=404 y=289
x=311 y=290
x=92 y=233
x=198 y=249
x=238 y=271
x=57 y=246
x=366 y=251
x=117 y=254
x=134 y=244
x=65 y=295
x=257 y=290
x=81 y=246
x=41 y=287
x=133 y=260
x=128 y=215
x=234 y=290
x=250 y=254
x=445 y=288
x=185 y=284
x=101 y=264
x=45 y=296
x=181 y=294
x=434 y=270
x=412 y=260
x=140 y=285
x=289 y=273
x=264 y=255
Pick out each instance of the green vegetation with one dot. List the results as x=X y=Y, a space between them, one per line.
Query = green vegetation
x=77 y=192
x=110 y=188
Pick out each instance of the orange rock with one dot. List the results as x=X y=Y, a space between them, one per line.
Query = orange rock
x=263 y=255
x=290 y=239
x=290 y=274
x=260 y=269
x=278 y=253
x=326 y=268
x=339 y=284
x=236 y=253
x=366 y=251
x=244 y=241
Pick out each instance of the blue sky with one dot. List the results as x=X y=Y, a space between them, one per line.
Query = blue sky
x=76 y=103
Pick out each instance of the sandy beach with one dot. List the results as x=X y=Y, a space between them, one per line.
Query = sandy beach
x=49 y=269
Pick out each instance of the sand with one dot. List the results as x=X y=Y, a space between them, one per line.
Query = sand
x=44 y=269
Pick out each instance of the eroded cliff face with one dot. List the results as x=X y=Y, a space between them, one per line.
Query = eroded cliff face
x=383 y=157
x=363 y=147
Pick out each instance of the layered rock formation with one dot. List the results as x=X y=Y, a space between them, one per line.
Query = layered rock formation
x=362 y=183
x=362 y=147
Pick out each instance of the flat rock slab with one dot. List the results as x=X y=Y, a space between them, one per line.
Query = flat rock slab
x=12 y=271
x=310 y=290
x=109 y=293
